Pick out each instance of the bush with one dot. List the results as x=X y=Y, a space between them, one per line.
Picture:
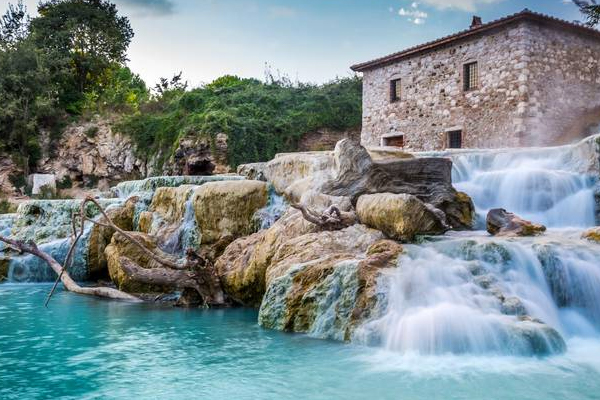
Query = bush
x=260 y=119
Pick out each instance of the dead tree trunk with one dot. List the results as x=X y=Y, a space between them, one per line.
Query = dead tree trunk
x=332 y=219
x=68 y=282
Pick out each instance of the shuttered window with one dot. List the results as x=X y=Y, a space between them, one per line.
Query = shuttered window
x=471 y=76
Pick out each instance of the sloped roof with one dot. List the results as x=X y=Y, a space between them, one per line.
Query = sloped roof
x=525 y=15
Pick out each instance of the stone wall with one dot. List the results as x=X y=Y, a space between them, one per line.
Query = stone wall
x=564 y=101
x=325 y=139
x=534 y=83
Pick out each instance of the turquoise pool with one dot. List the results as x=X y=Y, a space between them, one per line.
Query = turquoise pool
x=83 y=348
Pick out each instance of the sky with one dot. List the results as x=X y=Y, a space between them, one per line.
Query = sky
x=307 y=40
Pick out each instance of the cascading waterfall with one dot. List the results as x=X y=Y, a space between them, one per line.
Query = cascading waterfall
x=546 y=185
x=471 y=293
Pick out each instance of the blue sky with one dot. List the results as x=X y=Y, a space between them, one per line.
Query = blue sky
x=309 y=40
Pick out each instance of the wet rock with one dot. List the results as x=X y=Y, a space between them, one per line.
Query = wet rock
x=242 y=267
x=100 y=236
x=330 y=293
x=227 y=208
x=121 y=247
x=539 y=338
x=592 y=234
x=400 y=216
x=4 y=265
x=503 y=223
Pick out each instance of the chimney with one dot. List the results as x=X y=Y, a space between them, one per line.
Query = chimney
x=476 y=22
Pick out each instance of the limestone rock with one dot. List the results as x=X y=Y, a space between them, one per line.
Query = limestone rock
x=100 y=236
x=333 y=291
x=227 y=208
x=89 y=154
x=503 y=223
x=429 y=179
x=43 y=184
x=196 y=156
x=285 y=169
x=592 y=234
x=121 y=247
x=400 y=216
x=242 y=267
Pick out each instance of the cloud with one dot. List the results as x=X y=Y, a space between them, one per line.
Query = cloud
x=149 y=7
x=413 y=14
x=464 y=5
x=283 y=12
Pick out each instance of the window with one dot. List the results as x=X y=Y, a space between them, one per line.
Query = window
x=395 y=141
x=395 y=90
x=470 y=76
x=455 y=139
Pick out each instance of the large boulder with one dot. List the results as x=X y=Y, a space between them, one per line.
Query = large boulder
x=243 y=265
x=500 y=222
x=428 y=178
x=329 y=294
x=227 y=208
x=100 y=236
x=400 y=216
x=285 y=169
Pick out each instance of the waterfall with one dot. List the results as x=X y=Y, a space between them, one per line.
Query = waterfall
x=187 y=235
x=472 y=293
x=275 y=208
x=466 y=295
x=553 y=186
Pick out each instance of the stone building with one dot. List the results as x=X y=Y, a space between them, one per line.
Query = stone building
x=526 y=79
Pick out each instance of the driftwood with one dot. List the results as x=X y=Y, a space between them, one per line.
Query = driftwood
x=68 y=282
x=331 y=219
x=193 y=272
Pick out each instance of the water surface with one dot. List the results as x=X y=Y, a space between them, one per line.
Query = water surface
x=86 y=348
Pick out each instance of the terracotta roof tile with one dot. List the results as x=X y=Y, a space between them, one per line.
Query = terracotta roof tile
x=525 y=15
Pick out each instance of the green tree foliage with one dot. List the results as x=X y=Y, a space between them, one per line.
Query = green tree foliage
x=26 y=94
x=260 y=119
x=591 y=10
x=81 y=40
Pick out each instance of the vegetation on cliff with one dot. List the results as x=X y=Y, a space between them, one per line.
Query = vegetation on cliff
x=259 y=118
x=68 y=63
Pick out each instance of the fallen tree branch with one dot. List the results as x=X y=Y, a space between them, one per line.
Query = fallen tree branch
x=68 y=282
x=332 y=219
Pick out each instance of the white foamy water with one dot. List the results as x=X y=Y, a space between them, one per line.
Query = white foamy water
x=553 y=186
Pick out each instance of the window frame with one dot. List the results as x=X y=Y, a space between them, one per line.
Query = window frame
x=395 y=87
x=467 y=87
x=450 y=139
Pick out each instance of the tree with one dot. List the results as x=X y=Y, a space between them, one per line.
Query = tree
x=27 y=97
x=14 y=26
x=175 y=84
x=591 y=10
x=81 y=41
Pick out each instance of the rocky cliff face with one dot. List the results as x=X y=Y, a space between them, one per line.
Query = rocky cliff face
x=91 y=155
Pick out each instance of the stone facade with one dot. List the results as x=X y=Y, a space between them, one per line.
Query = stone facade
x=537 y=85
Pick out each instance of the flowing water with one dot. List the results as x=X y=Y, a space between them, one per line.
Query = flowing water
x=464 y=316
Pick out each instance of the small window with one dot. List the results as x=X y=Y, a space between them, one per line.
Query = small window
x=470 y=76
x=394 y=141
x=395 y=90
x=455 y=139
